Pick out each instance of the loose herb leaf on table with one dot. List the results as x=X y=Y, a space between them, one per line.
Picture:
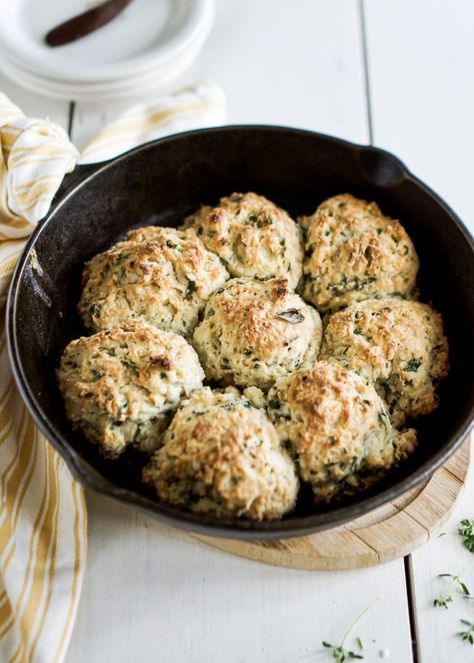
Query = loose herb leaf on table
x=466 y=530
x=455 y=583
x=339 y=652
x=467 y=635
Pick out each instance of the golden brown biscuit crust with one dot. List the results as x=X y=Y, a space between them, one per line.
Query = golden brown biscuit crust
x=354 y=252
x=119 y=386
x=252 y=236
x=337 y=427
x=256 y=331
x=222 y=457
x=397 y=345
x=160 y=276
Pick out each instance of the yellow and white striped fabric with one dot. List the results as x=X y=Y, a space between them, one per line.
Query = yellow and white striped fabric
x=43 y=520
x=28 y=183
x=201 y=105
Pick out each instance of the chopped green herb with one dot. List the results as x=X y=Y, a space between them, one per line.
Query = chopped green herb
x=382 y=417
x=413 y=365
x=190 y=289
x=341 y=285
x=274 y=404
x=292 y=315
x=94 y=310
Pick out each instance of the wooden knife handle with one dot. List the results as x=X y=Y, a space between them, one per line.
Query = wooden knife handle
x=85 y=23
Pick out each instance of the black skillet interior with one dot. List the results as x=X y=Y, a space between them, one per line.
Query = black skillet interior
x=162 y=182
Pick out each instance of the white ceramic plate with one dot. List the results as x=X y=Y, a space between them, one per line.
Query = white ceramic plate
x=11 y=67
x=133 y=87
x=147 y=33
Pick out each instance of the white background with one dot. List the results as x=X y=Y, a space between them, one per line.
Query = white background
x=399 y=73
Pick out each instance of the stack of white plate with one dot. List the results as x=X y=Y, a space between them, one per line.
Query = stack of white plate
x=143 y=48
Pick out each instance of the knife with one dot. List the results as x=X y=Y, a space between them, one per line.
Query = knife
x=85 y=23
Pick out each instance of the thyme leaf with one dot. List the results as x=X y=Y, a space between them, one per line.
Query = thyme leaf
x=339 y=652
x=467 y=531
x=413 y=365
x=446 y=596
x=468 y=634
x=292 y=315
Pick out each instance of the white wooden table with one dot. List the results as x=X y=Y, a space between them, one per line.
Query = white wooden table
x=399 y=73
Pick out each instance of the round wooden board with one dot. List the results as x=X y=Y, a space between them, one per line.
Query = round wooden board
x=387 y=533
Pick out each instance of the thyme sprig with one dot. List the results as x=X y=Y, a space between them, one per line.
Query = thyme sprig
x=446 y=596
x=467 y=635
x=466 y=530
x=339 y=652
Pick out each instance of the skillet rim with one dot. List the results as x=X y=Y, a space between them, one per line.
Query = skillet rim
x=240 y=529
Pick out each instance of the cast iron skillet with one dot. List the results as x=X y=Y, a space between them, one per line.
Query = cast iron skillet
x=163 y=181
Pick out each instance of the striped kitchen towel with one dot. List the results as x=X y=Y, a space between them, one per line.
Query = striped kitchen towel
x=43 y=520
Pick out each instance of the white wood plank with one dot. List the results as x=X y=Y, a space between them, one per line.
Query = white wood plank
x=422 y=87
x=289 y=63
x=152 y=593
x=278 y=64
x=437 y=628
x=34 y=105
x=421 y=59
